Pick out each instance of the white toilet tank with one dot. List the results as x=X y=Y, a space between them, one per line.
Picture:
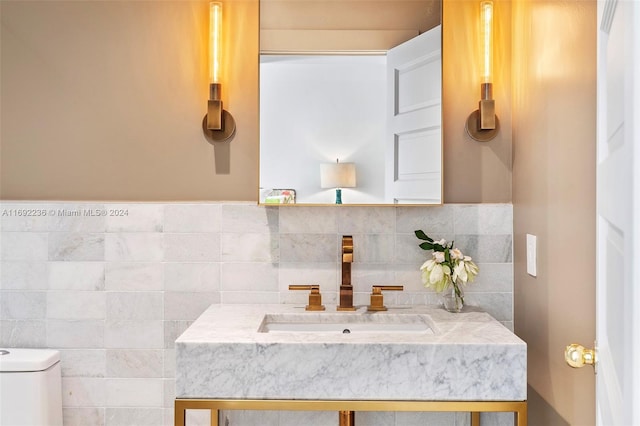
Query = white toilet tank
x=30 y=387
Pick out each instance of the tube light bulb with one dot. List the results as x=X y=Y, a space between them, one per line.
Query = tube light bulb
x=486 y=36
x=215 y=45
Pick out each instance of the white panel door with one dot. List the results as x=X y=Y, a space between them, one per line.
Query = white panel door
x=413 y=152
x=618 y=214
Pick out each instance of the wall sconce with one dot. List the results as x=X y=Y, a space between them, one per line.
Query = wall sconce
x=338 y=175
x=218 y=125
x=482 y=125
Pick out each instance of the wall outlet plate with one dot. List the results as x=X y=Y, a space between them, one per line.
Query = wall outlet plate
x=532 y=255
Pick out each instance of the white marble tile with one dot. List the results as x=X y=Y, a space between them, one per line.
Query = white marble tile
x=250 y=297
x=377 y=418
x=499 y=305
x=76 y=305
x=23 y=333
x=366 y=220
x=192 y=217
x=75 y=334
x=134 y=392
x=76 y=275
x=74 y=246
x=373 y=248
x=432 y=220
x=250 y=247
x=249 y=218
x=134 y=416
x=323 y=274
x=483 y=219
x=493 y=278
x=192 y=247
x=193 y=277
x=134 y=305
x=135 y=363
x=173 y=329
x=26 y=246
x=309 y=220
x=147 y=334
x=249 y=277
x=134 y=217
x=486 y=248
x=203 y=418
x=134 y=276
x=77 y=217
x=134 y=247
x=308 y=248
x=83 y=392
x=496 y=419
x=186 y=305
x=83 y=416
x=24 y=216
x=23 y=275
x=83 y=362
x=169 y=392
x=245 y=417
x=308 y=418
x=409 y=276
x=23 y=305
x=420 y=419
x=170 y=362
x=365 y=275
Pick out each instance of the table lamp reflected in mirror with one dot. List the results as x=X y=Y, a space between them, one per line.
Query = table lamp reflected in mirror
x=338 y=175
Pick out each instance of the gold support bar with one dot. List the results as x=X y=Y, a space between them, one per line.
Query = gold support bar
x=474 y=407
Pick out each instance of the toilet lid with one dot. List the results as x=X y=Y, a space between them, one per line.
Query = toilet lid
x=27 y=359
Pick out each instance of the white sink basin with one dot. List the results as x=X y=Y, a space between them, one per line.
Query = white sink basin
x=345 y=323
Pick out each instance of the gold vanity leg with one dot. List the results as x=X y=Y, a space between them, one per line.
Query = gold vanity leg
x=214 y=417
x=521 y=415
x=178 y=414
x=347 y=418
x=475 y=418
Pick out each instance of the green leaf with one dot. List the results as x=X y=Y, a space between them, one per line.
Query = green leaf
x=426 y=246
x=421 y=235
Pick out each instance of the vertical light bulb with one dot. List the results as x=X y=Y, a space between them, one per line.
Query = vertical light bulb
x=215 y=45
x=486 y=37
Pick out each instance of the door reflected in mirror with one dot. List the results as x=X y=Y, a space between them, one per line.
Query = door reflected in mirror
x=379 y=110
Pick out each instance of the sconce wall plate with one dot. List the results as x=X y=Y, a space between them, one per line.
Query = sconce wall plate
x=217 y=136
x=473 y=128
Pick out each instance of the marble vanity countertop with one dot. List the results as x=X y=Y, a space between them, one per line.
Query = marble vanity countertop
x=469 y=357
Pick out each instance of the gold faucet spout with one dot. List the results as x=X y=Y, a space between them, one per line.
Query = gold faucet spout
x=346 y=289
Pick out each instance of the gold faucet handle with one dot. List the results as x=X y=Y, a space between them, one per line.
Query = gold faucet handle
x=377 y=301
x=315 y=298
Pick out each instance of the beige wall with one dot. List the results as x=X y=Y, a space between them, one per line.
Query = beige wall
x=554 y=133
x=103 y=101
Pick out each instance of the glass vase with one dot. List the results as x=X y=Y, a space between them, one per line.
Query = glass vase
x=453 y=298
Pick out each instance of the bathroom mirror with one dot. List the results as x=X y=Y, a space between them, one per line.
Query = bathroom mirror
x=353 y=81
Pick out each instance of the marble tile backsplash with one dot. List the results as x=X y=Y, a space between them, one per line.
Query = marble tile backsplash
x=111 y=285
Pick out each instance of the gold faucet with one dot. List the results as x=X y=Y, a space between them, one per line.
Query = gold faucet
x=346 y=289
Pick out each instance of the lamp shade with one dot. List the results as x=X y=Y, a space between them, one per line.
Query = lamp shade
x=338 y=175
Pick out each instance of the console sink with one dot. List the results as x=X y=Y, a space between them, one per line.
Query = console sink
x=420 y=353
x=345 y=323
